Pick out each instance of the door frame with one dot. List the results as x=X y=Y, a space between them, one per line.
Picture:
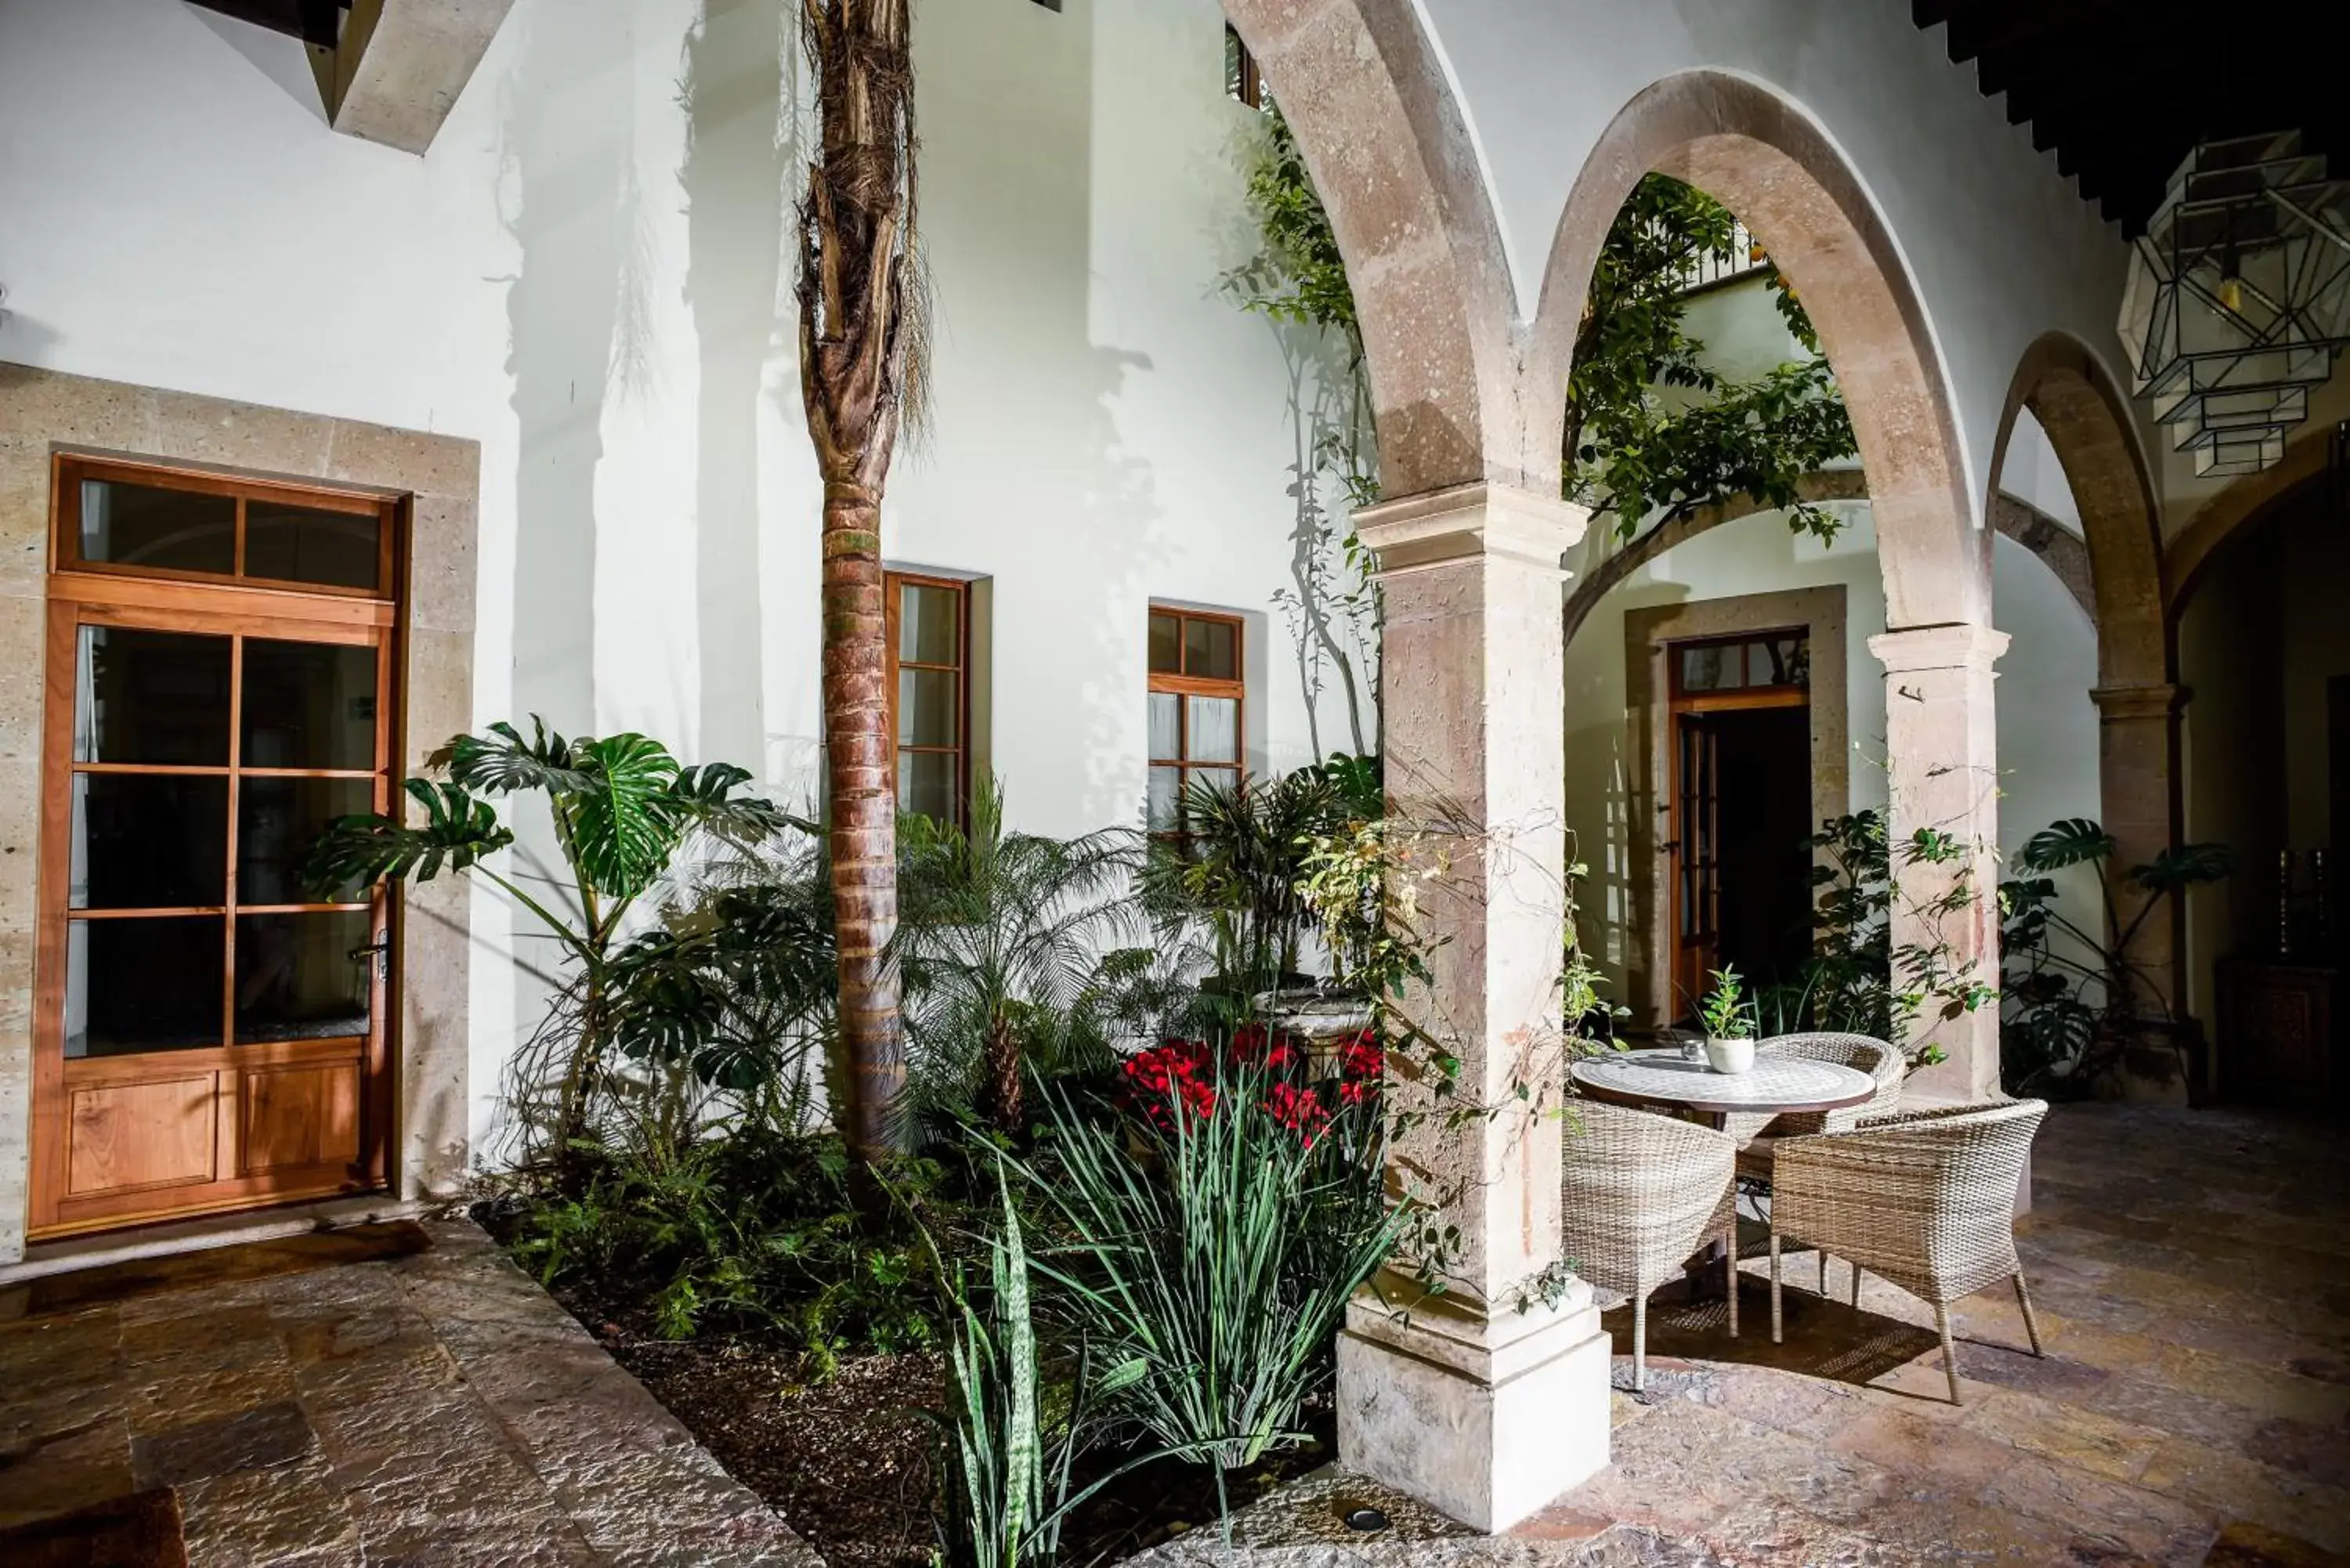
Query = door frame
x=84 y=594
x=438 y=476
x=1688 y=712
x=1649 y=634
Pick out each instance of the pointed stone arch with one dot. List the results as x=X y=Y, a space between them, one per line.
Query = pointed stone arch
x=2080 y=405
x=1772 y=163
x=1399 y=175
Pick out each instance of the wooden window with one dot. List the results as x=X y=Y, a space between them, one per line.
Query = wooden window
x=1198 y=709
x=1242 y=79
x=210 y=1029
x=1743 y=671
x=929 y=692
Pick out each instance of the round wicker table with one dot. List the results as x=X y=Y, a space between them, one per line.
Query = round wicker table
x=1772 y=1086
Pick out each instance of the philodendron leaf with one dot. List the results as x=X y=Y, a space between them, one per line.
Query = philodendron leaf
x=626 y=821
x=362 y=849
x=2184 y=866
x=2071 y=842
x=502 y=762
x=706 y=795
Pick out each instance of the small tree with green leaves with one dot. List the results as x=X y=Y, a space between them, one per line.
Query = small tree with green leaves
x=622 y=808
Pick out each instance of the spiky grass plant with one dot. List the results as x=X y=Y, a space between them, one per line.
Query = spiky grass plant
x=1213 y=1273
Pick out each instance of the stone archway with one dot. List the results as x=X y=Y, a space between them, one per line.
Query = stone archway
x=1396 y=174
x=1768 y=160
x=1762 y=157
x=2080 y=405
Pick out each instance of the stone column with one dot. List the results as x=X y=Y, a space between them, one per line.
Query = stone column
x=1488 y=1400
x=2138 y=763
x=1942 y=742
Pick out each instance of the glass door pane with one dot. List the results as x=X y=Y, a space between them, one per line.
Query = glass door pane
x=135 y=984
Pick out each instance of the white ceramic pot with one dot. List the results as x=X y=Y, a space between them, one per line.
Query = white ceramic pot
x=1730 y=1056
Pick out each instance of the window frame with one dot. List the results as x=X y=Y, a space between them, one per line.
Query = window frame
x=1246 y=84
x=894 y=584
x=71 y=468
x=1181 y=684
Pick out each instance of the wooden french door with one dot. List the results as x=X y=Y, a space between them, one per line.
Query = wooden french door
x=1708 y=679
x=211 y=1027
x=1697 y=883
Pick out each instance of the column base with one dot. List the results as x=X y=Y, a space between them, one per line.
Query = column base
x=1486 y=1419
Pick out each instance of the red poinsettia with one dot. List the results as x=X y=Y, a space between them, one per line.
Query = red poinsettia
x=1170 y=1071
x=1300 y=1110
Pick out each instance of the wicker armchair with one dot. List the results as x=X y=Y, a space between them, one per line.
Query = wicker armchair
x=1642 y=1192
x=1925 y=1198
x=1757 y=1134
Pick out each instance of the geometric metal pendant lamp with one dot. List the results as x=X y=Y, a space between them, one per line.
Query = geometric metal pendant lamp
x=2239 y=297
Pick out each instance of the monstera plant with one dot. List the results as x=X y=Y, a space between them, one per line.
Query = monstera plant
x=623 y=808
x=2077 y=1000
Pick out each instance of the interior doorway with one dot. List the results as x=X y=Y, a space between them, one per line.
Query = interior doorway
x=1741 y=806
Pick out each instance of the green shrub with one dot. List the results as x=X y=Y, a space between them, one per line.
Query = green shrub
x=748 y=1230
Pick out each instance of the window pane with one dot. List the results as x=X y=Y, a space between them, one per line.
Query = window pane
x=148 y=841
x=150 y=697
x=143 y=985
x=304 y=544
x=308 y=705
x=1215 y=729
x=143 y=525
x=926 y=784
x=927 y=704
x=1166 y=794
x=929 y=625
x=1166 y=644
x=1166 y=732
x=277 y=821
x=303 y=977
x=1212 y=648
x=1711 y=667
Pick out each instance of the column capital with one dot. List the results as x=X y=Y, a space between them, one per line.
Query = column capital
x=1471 y=521
x=2141 y=700
x=1957 y=645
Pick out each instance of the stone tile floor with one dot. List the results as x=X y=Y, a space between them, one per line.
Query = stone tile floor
x=2192 y=1272
x=396 y=1394
x=404 y=1395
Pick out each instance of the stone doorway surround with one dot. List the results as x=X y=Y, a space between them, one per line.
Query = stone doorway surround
x=43 y=412
x=1648 y=633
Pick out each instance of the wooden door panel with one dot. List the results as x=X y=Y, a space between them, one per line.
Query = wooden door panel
x=295 y=1116
x=123 y=1137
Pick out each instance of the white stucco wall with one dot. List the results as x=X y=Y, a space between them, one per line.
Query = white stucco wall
x=589 y=274
x=2002 y=248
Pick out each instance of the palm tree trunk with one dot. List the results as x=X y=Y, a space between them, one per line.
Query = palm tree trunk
x=860 y=327
x=859 y=754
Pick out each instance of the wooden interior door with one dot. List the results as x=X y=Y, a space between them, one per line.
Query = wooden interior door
x=1697 y=851
x=210 y=1029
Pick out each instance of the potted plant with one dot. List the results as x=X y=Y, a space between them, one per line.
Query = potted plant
x=1729 y=1020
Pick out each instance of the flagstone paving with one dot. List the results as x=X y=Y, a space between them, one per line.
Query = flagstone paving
x=404 y=1395
x=2192 y=1271
x=398 y=1394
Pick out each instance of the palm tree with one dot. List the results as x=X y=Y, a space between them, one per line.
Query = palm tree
x=860 y=377
x=1003 y=949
